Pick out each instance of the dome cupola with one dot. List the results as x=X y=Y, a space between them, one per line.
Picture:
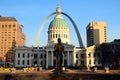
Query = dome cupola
x=58 y=28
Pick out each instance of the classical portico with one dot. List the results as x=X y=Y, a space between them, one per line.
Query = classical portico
x=68 y=57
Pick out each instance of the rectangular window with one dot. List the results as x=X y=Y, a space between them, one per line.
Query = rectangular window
x=82 y=62
x=82 y=55
x=5 y=25
x=54 y=54
x=28 y=62
x=41 y=56
x=35 y=55
x=23 y=62
x=2 y=26
x=89 y=61
x=76 y=55
x=9 y=25
x=13 y=25
x=28 y=55
x=76 y=61
x=18 y=55
x=44 y=55
x=89 y=55
x=23 y=55
x=41 y=63
x=18 y=62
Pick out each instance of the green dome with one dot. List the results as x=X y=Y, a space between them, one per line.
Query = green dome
x=58 y=22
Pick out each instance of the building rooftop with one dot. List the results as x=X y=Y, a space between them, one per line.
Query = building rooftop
x=7 y=18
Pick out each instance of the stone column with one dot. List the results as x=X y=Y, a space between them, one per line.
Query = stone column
x=63 y=60
x=52 y=58
x=68 y=58
x=31 y=59
x=47 y=60
x=73 y=59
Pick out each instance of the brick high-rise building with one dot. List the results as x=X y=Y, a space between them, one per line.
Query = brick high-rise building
x=11 y=35
x=96 y=33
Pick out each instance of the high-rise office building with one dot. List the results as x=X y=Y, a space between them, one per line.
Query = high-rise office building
x=11 y=35
x=96 y=33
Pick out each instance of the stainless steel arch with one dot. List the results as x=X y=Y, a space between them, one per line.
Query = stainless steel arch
x=41 y=28
x=75 y=27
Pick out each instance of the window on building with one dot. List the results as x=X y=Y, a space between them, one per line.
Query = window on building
x=82 y=62
x=89 y=55
x=64 y=35
x=13 y=38
x=89 y=61
x=51 y=35
x=98 y=55
x=99 y=61
x=13 y=25
x=28 y=62
x=94 y=62
x=54 y=54
x=65 y=62
x=35 y=63
x=23 y=55
x=49 y=51
x=82 y=55
x=6 y=25
x=59 y=35
x=41 y=55
x=45 y=62
x=18 y=62
x=44 y=55
x=2 y=26
x=76 y=55
x=70 y=52
x=35 y=55
x=56 y=35
x=23 y=62
x=41 y=63
x=28 y=55
x=18 y=55
x=76 y=61
x=9 y=25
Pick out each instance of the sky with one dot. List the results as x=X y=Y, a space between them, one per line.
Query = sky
x=31 y=13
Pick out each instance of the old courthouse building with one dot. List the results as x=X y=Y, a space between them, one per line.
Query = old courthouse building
x=11 y=35
x=45 y=57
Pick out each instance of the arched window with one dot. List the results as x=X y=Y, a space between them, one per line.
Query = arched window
x=59 y=35
x=56 y=35
x=64 y=35
x=53 y=35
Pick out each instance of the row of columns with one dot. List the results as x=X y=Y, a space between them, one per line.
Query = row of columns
x=51 y=57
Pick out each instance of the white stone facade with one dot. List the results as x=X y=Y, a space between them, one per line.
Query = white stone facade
x=91 y=57
x=23 y=56
x=45 y=57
